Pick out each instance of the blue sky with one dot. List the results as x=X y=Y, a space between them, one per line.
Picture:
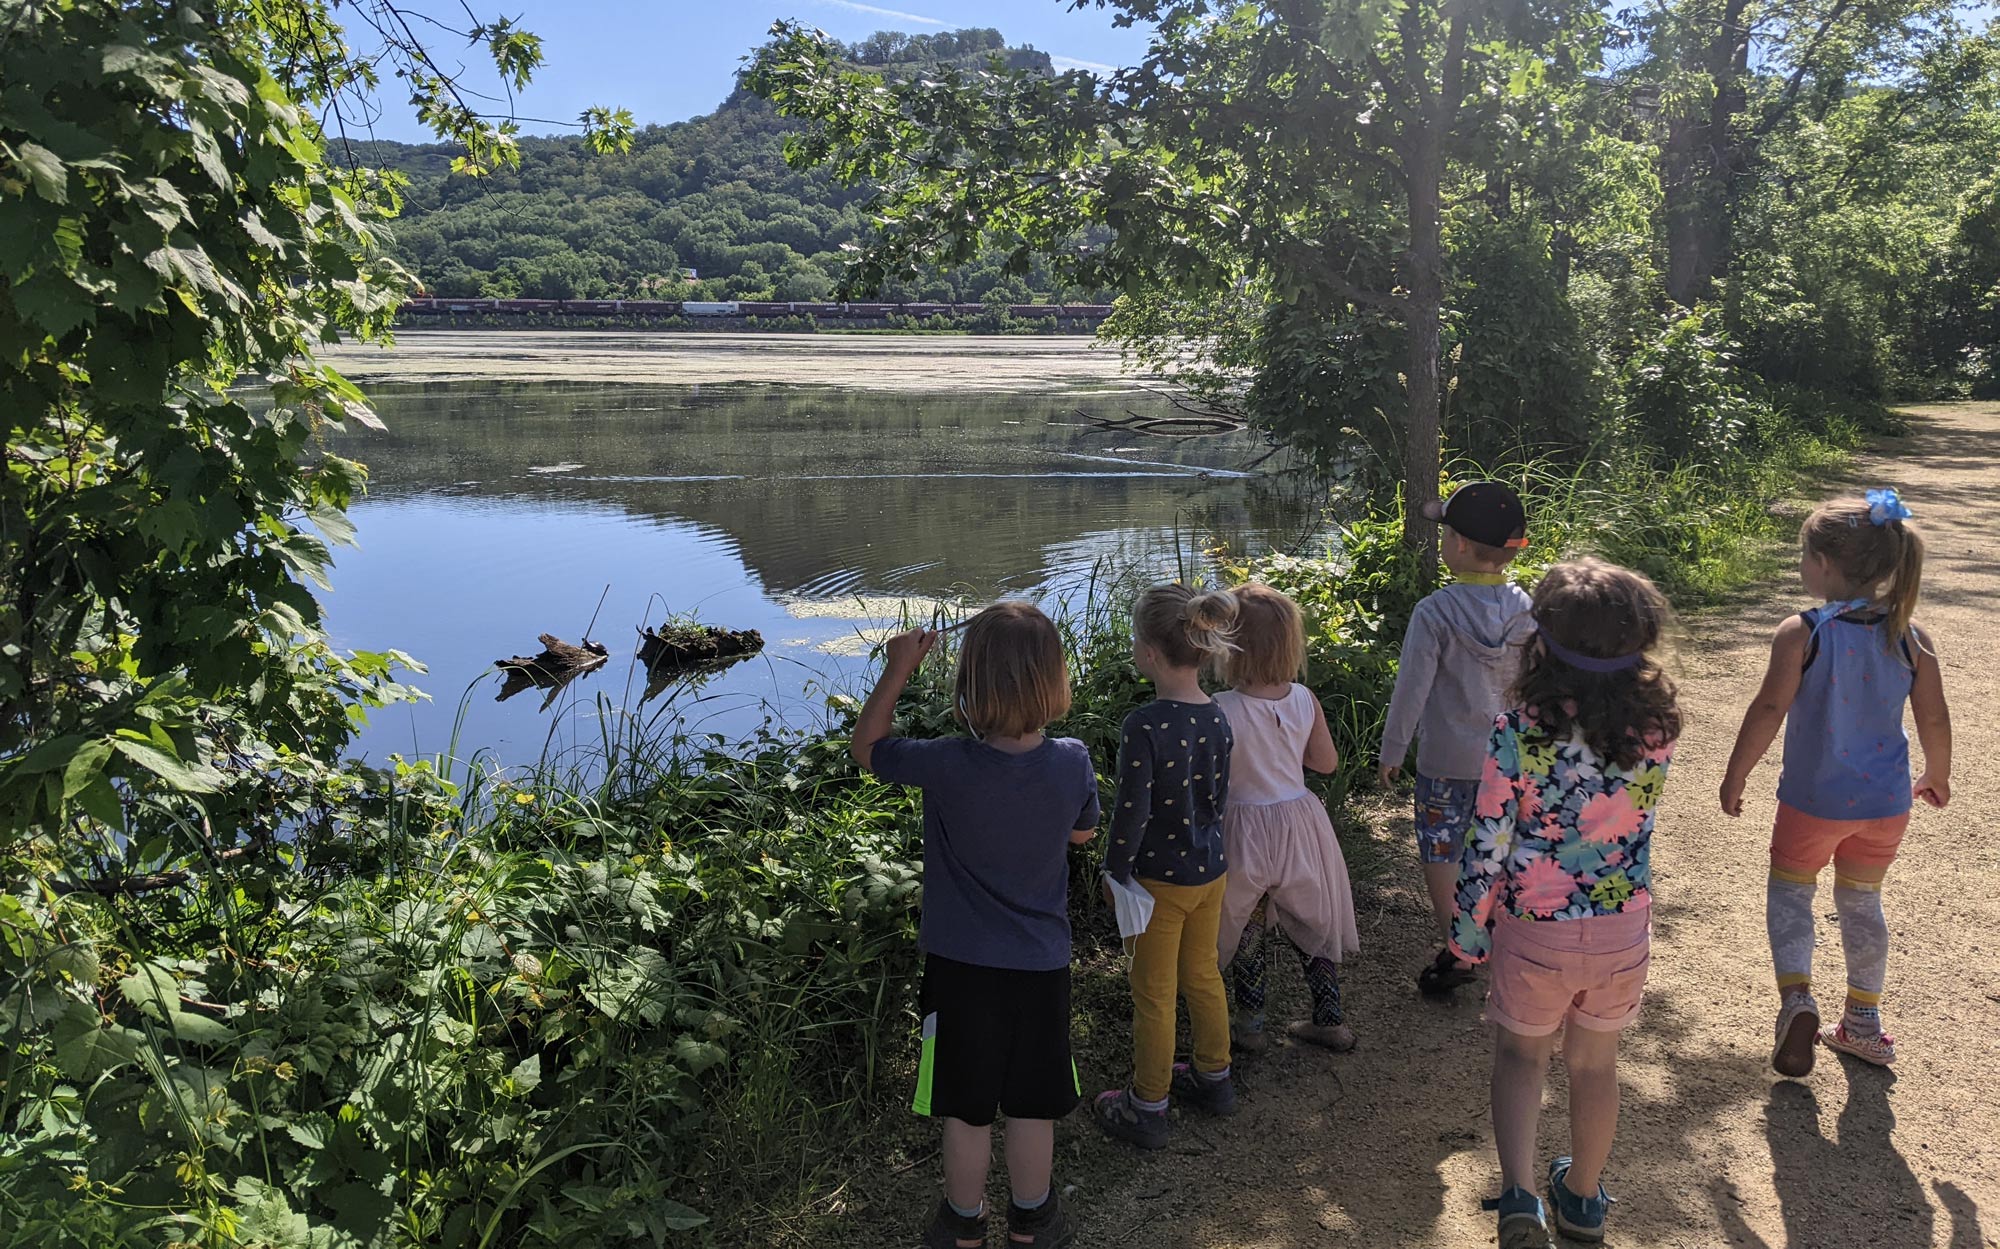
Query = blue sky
x=673 y=59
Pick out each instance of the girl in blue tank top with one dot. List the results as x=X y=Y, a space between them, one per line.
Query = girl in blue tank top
x=1839 y=678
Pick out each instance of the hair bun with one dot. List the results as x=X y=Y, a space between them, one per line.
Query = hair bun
x=1210 y=619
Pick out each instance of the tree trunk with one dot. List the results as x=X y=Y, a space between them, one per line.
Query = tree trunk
x=1426 y=313
x=1702 y=159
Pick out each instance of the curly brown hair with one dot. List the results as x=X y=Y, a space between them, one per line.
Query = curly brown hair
x=1601 y=611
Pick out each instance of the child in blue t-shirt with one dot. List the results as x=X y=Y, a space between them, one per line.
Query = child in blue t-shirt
x=1001 y=808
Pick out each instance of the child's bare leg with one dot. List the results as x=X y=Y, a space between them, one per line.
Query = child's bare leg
x=1031 y=1153
x=968 y=1151
x=1441 y=879
x=1592 y=1058
x=1519 y=1065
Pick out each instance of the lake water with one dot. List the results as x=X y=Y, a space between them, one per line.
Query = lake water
x=514 y=485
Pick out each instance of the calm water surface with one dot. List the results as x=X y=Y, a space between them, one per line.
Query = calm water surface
x=502 y=510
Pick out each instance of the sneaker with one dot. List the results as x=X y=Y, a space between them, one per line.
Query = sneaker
x=1217 y=1097
x=1876 y=1047
x=949 y=1229
x=1521 y=1223
x=1247 y=1035
x=1337 y=1037
x=1121 y=1117
x=1580 y=1218
x=1798 y=1026
x=1047 y=1226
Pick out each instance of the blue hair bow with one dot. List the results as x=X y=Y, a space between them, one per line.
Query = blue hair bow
x=1884 y=506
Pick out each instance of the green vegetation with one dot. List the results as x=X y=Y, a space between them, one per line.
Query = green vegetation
x=713 y=195
x=254 y=996
x=1376 y=230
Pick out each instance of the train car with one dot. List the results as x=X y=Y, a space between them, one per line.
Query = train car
x=762 y=308
x=694 y=308
x=873 y=310
x=926 y=310
x=652 y=307
x=1034 y=312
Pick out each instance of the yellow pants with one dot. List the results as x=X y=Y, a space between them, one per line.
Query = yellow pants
x=1177 y=953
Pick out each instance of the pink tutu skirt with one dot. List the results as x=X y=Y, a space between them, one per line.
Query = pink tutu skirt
x=1286 y=852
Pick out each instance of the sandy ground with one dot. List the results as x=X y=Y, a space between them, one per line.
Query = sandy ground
x=1391 y=1145
x=1029 y=363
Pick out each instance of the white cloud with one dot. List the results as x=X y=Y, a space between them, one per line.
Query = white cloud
x=1070 y=62
x=854 y=7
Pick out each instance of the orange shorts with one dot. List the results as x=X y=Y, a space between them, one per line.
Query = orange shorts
x=1589 y=972
x=1803 y=844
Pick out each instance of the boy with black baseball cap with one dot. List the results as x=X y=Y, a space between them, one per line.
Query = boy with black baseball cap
x=1460 y=655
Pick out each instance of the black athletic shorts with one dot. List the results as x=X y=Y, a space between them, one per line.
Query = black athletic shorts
x=994 y=1039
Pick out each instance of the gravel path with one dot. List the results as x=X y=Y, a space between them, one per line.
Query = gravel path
x=1391 y=1146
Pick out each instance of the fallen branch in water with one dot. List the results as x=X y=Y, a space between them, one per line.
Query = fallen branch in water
x=557 y=665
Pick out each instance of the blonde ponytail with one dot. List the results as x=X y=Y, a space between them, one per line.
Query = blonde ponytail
x=1188 y=629
x=1901 y=599
x=1882 y=558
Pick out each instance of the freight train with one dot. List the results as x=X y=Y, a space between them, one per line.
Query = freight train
x=434 y=307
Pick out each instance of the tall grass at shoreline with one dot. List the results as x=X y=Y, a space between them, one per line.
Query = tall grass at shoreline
x=657 y=989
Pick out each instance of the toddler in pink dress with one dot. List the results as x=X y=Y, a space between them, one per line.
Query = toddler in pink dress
x=1286 y=870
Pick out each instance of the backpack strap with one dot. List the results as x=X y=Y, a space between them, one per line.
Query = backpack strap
x=1812 y=639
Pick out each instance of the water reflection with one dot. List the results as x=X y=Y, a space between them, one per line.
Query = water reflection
x=498 y=512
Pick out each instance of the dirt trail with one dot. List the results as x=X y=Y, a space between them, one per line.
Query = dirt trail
x=1391 y=1146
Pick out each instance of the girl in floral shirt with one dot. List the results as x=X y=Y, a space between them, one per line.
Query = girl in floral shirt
x=1555 y=883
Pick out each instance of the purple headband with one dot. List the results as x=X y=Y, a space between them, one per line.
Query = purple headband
x=1590 y=663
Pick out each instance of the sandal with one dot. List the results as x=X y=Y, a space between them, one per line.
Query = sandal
x=1443 y=974
x=1047 y=1226
x=1522 y=1224
x=949 y=1229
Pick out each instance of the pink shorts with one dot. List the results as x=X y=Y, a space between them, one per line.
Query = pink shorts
x=1590 y=972
x=1803 y=844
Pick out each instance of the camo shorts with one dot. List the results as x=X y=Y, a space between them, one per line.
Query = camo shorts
x=1444 y=816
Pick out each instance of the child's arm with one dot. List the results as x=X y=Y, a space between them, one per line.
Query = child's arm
x=1322 y=756
x=1767 y=711
x=1933 y=724
x=1135 y=801
x=1416 y=668
x=904 y=652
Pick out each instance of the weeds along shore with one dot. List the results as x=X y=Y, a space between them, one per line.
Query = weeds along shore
x=665 y=989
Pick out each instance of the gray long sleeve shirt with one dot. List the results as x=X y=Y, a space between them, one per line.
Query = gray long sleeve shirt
x=1460 y=655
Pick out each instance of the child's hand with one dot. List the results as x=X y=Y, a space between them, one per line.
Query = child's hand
x=1732 y=796
x=907 y=649
x=1080 y=836
x=1934 y=790
x=1387 y=774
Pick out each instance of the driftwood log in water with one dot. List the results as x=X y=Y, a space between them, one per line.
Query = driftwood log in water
x=691 y=646
x=557 y=665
